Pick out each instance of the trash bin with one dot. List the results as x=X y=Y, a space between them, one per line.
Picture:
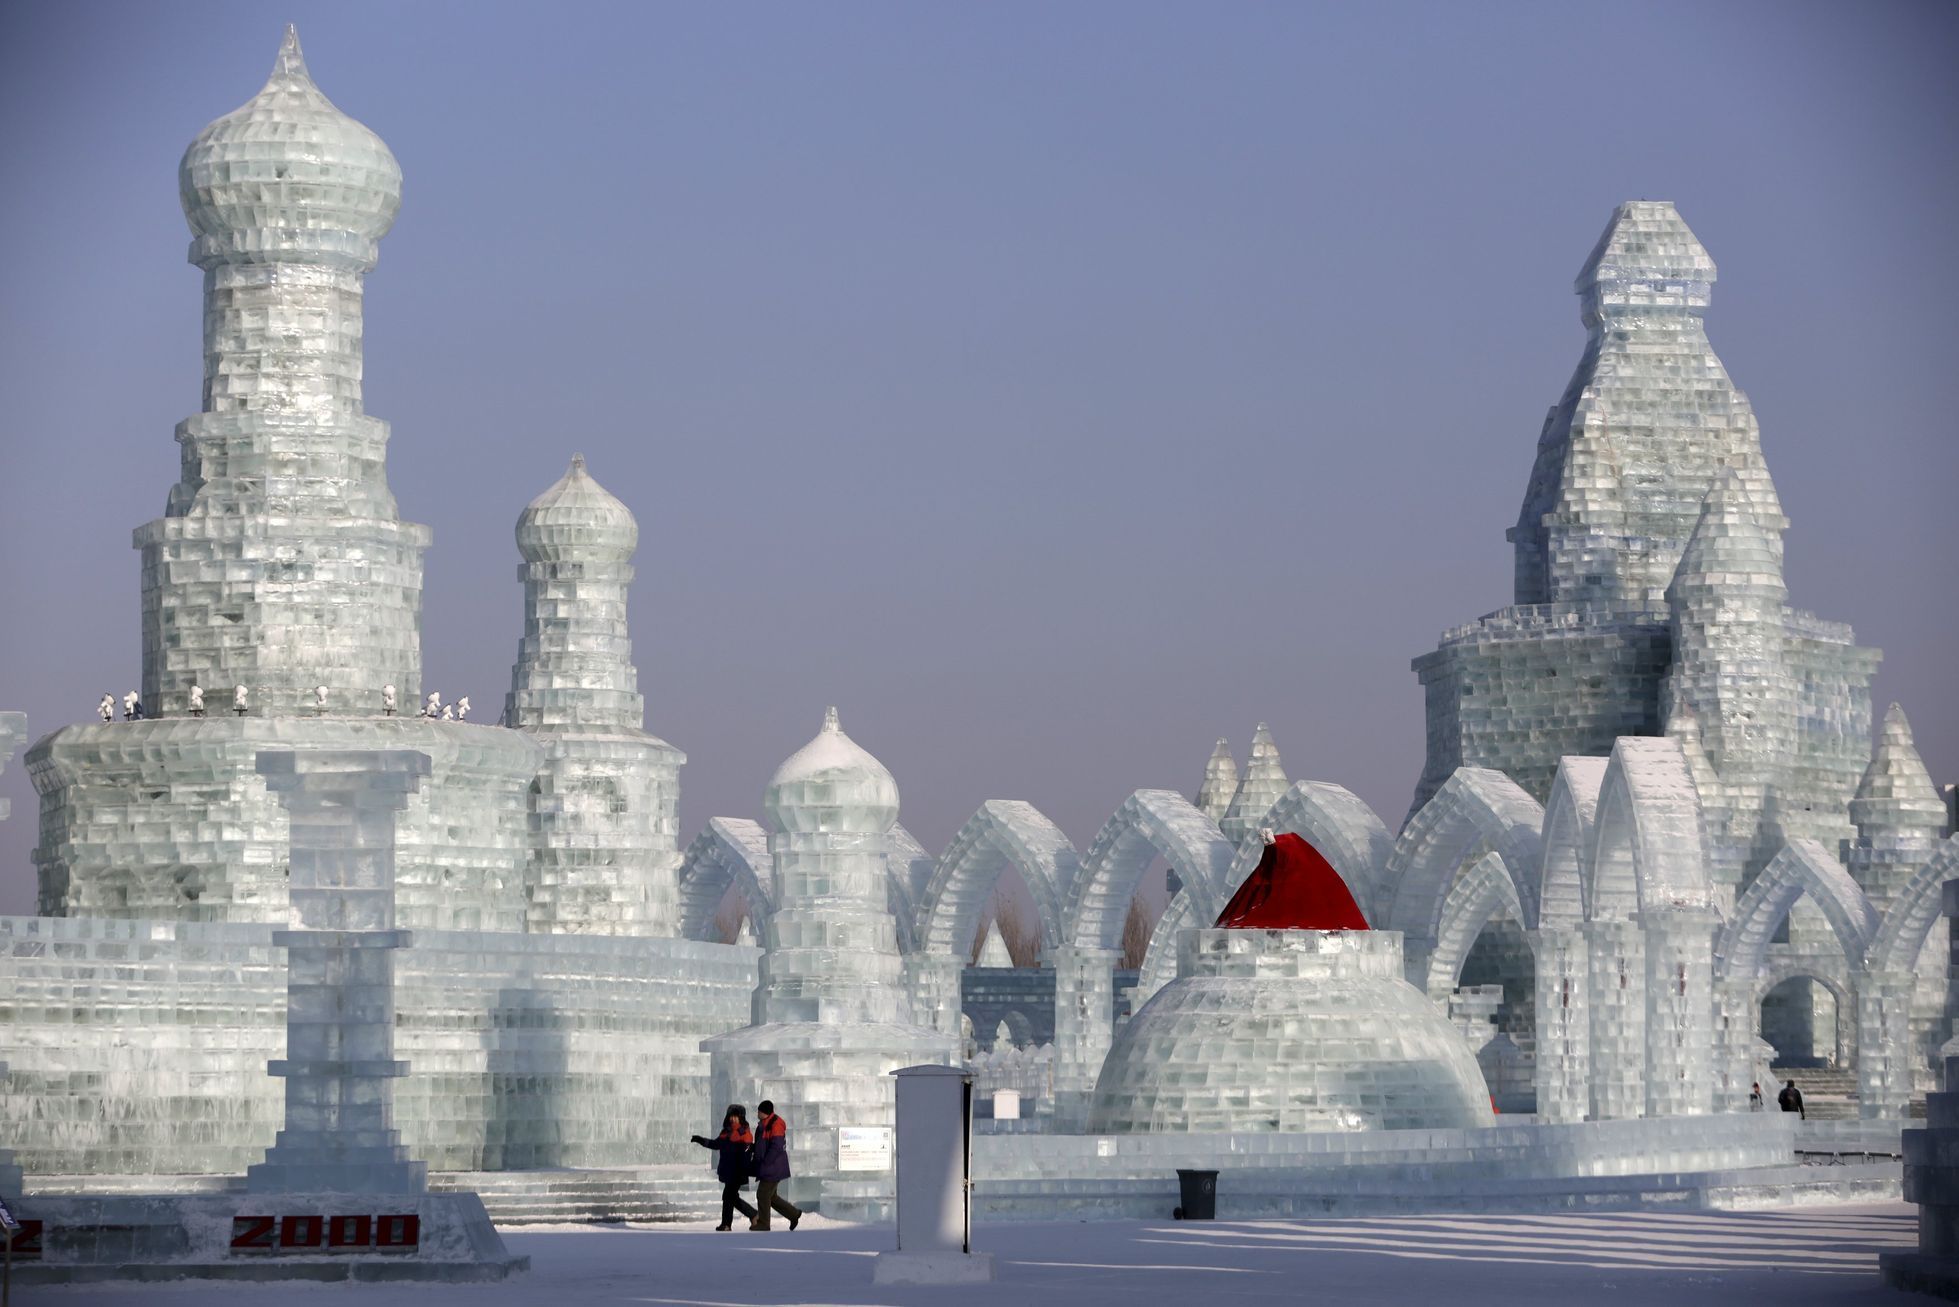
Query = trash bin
x=1199 y=1190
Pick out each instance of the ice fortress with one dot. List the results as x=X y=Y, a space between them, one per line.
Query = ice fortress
x=1650 y=800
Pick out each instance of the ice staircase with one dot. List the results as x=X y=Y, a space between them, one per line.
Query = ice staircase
x=673 y=1193
x=1829 y=1093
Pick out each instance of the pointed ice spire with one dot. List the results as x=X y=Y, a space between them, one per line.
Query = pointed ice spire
x=993 y=953
x=1263 y=784
x=1896 y=794
x=1220 y=782
x=290 y=63
x=1735 y=550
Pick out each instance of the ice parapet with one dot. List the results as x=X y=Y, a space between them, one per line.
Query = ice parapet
x=1288 y=1030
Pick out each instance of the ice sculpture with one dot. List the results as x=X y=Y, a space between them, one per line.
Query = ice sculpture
x=605 y=849
x=832 y=1017
x=1288 y=1030
x=280 y=567
x=1263 y=783
x=1220 y=782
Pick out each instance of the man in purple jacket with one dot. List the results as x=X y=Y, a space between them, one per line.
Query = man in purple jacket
x=771 y=1167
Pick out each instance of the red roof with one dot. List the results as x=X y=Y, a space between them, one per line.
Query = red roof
x=1293 y=888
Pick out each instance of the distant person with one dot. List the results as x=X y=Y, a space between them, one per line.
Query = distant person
x=734 y=1163
x=1791 y=1100
x=196 y=700
x=1755 y=1103
x=771 y=1167
x=106 y=710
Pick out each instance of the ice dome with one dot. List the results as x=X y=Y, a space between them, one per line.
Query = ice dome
x=831 y=784
x=577 y=519
x=286 y=171
x=1288 y=1031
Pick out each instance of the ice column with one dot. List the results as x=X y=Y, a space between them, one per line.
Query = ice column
x=1679 y=998
x=1615 y=955
x=1084 y=1027
x=605 y=854
x=339 y=1135
x=1932 y=1173
x=1563 y=1066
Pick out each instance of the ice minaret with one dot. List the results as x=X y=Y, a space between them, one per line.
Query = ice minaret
x=605 y=844
x=1898 y=813
x=832 y=1016
x=280 y=562
x=1220 y=782
x=1264 y=784
x=993 y=950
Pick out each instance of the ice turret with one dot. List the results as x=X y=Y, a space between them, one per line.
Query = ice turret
x=1898 y=813
x=1264 y=783
x=280 y=562
x=832 y=1014
x=605 y=853
x=1220 y=783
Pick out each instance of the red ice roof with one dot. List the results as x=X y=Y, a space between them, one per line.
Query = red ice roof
x=1292 y=888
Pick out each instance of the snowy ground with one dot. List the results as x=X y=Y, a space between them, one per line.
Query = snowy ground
x=1782 y=1258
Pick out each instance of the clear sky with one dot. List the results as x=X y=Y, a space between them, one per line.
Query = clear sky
x=1052 y=387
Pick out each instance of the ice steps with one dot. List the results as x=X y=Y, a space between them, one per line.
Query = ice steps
x=655 y=1194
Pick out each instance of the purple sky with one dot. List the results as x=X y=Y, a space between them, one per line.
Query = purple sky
x=1053 y=388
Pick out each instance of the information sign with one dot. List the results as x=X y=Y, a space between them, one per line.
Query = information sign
x=864 y=1148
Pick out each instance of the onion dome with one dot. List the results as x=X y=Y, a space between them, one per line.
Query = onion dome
x=576 y=520
x=288 y=176
x=1293 y=888
x=832 y=785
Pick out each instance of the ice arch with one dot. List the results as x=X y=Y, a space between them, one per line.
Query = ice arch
x=1802 y=867
x=1148 y=824
x=1476 y=811
x=1909 y=919
x=1003 y=833
x=907 y=870
x=1160 y=961
x=1568 y=821
x=730 y=851
x=1486 y=890
x=1647 y=849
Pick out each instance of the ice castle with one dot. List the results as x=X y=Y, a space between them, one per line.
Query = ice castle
x=1650 y=801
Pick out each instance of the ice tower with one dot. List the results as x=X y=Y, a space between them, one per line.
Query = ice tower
x=832 y=1016
x=605 y=844
x=280 y=566
x=1649 y=594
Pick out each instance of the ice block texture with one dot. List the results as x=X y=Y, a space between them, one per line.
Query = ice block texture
x=605 y=854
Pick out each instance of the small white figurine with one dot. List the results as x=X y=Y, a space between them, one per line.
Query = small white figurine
x=196 y=700
x=240 y=698
x=132 y=707
x=388 y=699
x=433 y=708
x=462 y=709
x=106 y=710
x=319 y=700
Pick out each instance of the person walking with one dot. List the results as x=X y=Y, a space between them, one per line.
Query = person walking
x=1791 y=1099
x=1755 y=1096
x=734 y=1159
x=771 y=1167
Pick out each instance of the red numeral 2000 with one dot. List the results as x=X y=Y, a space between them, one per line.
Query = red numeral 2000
x=333 y=1234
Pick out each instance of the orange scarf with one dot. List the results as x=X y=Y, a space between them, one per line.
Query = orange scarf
x=737 y=1133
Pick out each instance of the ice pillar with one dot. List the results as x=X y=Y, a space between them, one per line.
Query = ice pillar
x=1564 y=1035
x=1932 y=1172
x=1679 y=1011
x=1886 y=1052
x=1084 y=1027
x=339 y=1135
x=1618 y=1017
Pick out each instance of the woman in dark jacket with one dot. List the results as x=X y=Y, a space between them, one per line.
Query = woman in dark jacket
x=736 y=1161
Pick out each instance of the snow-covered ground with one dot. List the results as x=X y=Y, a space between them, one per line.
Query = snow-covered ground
x=1782 y=1258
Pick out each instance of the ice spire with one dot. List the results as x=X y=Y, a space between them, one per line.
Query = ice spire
x=1220 y=782
x=1263 y=784
x=1585 y=531
x=290 y=62
x=993 y=952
